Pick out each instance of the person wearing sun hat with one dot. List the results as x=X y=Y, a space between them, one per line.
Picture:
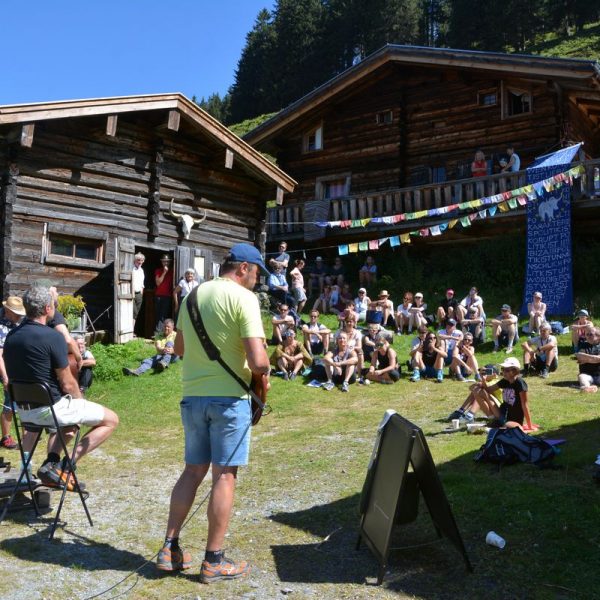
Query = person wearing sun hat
x=514 y=410
x=578 y=329
x=14 y=311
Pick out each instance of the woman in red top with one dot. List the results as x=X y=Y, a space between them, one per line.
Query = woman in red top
x=479 y=165
x=163 y=294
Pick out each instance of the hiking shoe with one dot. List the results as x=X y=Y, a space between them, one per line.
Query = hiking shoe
x=544 y=373
x=127 y=371
x=329 y=385
x=52 y=474
x=457 y=414
x=226 y=569
x=345 y=386
x=285 y=376
x=293 y=376
x=459 y=377
x=161 y=365
x=170 y=559
x=8 y=442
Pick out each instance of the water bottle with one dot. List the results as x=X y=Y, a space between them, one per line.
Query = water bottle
x=26 y=456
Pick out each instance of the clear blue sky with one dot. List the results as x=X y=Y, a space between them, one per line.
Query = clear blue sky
x=67 y=49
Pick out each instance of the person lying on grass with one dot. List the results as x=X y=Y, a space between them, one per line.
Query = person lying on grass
x=514 y=410
x=384 y=363
x=478 y=395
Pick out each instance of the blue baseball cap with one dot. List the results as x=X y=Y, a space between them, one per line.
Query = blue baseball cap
x=247 y=253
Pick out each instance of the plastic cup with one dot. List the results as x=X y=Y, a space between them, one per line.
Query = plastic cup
x=455 y=423
x=493 y=539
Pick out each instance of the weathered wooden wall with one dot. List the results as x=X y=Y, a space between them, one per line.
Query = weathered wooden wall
x=437 y=122
x=76 y=177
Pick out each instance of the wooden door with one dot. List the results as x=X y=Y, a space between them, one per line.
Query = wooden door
x=123 y=298
x=199 y=259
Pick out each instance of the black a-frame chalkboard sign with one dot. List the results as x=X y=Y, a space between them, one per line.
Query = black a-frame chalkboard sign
x=390 y=494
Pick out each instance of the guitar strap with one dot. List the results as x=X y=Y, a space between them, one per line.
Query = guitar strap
x=211 y=350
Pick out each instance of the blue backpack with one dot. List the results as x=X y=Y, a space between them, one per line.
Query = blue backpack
x=509 y=446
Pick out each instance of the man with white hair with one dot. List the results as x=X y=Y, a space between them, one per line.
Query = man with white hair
x=36 y=353
x=137 y=282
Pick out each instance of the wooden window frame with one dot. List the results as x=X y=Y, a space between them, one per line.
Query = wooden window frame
x=488 y=92
x=506 y=89
x=321 y=181
x=384 y=117
x=317 y=131
x=76 y=235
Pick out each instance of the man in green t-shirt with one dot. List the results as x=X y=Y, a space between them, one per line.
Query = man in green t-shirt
x=215 y=410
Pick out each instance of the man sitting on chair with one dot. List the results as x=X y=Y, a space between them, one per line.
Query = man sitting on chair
x=35 y=353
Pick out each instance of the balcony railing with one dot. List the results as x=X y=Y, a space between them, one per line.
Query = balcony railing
x=288 y=220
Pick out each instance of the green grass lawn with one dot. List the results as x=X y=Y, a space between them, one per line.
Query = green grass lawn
x=295 y=516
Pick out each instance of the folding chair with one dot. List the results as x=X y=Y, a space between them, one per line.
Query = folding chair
x=28 y=396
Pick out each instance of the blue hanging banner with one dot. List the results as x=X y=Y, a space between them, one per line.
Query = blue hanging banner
x=549 y=265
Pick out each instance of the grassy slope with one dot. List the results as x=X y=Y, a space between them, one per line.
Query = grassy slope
x=584 y=44
x=307 y=467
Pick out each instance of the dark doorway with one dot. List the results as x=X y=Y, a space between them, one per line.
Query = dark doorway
x=145 y=324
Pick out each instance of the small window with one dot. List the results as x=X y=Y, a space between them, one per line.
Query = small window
x=517 y=102
x=487 y=99
x=333 y=186
x=313 y=140
x=80 y=250
x=438 y=174
x=384 y=118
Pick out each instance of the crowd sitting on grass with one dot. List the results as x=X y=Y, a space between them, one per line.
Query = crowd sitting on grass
x=447 y=334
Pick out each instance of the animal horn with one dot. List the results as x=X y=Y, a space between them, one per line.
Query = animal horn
x=173 y=213
x=198 y=221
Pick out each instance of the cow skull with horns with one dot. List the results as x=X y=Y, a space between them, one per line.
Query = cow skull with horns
x=187 y=221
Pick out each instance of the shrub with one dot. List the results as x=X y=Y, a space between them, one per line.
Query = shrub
x=71 y=308
x=110 y=359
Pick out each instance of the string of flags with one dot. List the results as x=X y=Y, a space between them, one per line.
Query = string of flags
x=488 y=207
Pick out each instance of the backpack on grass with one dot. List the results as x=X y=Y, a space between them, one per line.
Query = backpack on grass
x=509 y=446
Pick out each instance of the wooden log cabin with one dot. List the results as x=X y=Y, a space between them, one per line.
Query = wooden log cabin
x=85 y=184
x=397 y=133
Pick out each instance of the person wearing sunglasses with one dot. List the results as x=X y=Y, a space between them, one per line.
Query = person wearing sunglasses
x=588 y=358
x=429 y=359
x=464 y=363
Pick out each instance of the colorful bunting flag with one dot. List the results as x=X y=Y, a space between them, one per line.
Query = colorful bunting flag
x=343 y=249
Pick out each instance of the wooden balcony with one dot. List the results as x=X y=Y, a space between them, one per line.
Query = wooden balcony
x=287 y=221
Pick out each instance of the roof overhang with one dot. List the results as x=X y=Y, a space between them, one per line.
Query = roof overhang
x=578 y=73
x=45 y=111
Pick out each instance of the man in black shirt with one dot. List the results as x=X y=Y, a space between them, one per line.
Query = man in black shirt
x=447 y=308
x=588 y=358
x=35 y=352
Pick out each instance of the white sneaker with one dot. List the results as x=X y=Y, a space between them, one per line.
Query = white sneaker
x=328 y=386
x=345 y=386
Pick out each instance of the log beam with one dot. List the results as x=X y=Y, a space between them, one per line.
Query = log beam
x=173 y=120
x=228 y=158
x=27 y=135
x=111 y=125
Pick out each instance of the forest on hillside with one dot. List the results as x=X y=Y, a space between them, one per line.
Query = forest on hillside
x=303 y=43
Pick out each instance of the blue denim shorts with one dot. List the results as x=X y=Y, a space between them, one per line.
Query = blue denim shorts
x=217 y=430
